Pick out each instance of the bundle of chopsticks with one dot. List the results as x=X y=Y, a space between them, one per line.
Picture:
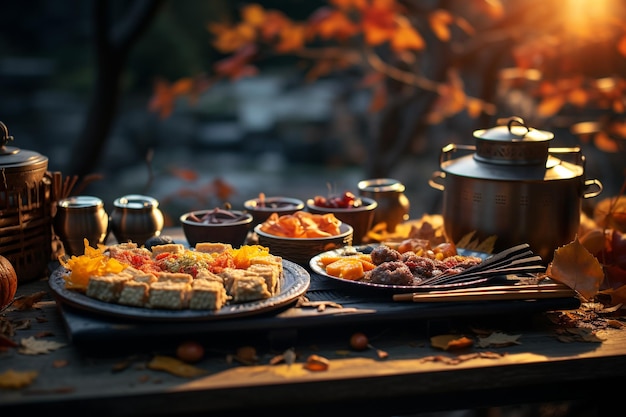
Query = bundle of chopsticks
x=518 y=260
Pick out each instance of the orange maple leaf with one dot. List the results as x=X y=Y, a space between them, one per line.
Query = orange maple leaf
x=379 y=21
x=331 y=24
x=574 y=266
x=550 y=105
x=292 y=38
x=440 y=21
x=162 y=100
x=253 y=14
x=406 y=37
x=275 y=23
x=238 y=65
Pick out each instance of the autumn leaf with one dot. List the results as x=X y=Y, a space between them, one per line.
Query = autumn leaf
x=292 y=38
x=11 y=379
x=497 y=339
x=574 y=266
x=175 y=367
x=450 y=342
x=604 y=142
x=331 y=24
x=316 y=363
x=32 y=346
x=406 y=36
x=440 y=21
x=26 y=302
x=551 y=105
x=238 y=65
x=254 y=14
x=378 y=22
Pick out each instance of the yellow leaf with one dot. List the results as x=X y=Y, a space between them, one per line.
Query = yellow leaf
x=574 y=266
x=550 y=106
x=175 y=367
x=439 y=21
x=32 y=346
x=11 y=379
x=254 y=14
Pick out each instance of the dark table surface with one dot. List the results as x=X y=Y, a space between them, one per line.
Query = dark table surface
x=102 y=367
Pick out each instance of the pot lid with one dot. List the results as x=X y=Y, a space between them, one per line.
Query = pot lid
x=12 y=157
x=514 y=143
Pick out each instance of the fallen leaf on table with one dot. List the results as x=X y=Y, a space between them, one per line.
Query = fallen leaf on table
x=574 y=266
x=11 y=379
x=497 y=339
x=450 y=342
x=175 y=367
x=32 y=346
x=316 y=363
x=26 y=302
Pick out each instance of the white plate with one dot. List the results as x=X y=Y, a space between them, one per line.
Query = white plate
x=317 y=267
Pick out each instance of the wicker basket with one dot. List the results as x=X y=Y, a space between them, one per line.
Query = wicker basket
x=25 y=210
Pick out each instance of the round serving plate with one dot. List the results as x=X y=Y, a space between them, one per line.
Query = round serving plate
x=295 y=282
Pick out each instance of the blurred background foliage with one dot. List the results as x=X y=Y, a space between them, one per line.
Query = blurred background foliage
x=77 y=78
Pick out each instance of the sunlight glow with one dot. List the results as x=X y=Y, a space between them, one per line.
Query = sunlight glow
x=583 y=16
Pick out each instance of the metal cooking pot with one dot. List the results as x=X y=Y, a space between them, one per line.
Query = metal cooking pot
x=513 y=186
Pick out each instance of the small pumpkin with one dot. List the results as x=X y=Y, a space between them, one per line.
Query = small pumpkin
x=8 y=282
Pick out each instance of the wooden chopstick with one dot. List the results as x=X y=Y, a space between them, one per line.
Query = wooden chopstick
x=524 y=289
x=493 y=295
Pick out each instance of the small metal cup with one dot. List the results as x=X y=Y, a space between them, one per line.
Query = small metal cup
x=79 y=218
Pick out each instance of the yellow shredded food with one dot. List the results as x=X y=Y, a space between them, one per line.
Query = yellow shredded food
x=93 y=262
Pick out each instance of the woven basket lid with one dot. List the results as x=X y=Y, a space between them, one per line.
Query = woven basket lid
x=16 y=159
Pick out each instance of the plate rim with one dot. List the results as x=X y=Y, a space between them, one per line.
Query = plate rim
x=317 y=269
x=296 y=281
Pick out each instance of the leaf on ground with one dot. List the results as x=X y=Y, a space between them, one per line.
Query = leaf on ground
x=175 y=367
x=450 y=342
x=32 y=346
x=574 y=266
x=11 y=379
x=497 y=339
x=26 y=302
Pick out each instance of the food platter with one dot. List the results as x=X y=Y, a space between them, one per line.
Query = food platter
x=316 y=267
x=295 y=282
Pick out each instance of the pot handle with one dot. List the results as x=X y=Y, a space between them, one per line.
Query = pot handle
x=448 y=150
x=593 y=193
x=434 y=184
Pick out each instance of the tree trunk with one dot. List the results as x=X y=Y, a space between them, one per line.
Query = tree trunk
x=112 y=45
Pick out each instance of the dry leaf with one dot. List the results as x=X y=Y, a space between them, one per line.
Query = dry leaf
x=497 y=339
x=32 y=346
x=316 y=363
x=574 y=266
x=175 y=367
x=11 y=379
x=26 y=302
x=450 y=342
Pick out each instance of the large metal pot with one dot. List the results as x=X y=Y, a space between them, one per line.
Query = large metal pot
x=512 y=185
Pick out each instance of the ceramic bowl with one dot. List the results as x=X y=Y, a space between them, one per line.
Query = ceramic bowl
x=262 y=209
x=361 y=218
x=301 y=250
x=225 y=231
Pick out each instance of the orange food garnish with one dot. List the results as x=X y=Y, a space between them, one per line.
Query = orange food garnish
x=93 y=262
x=302 y=224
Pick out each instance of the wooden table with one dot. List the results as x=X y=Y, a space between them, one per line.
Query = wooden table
x=104 y=372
